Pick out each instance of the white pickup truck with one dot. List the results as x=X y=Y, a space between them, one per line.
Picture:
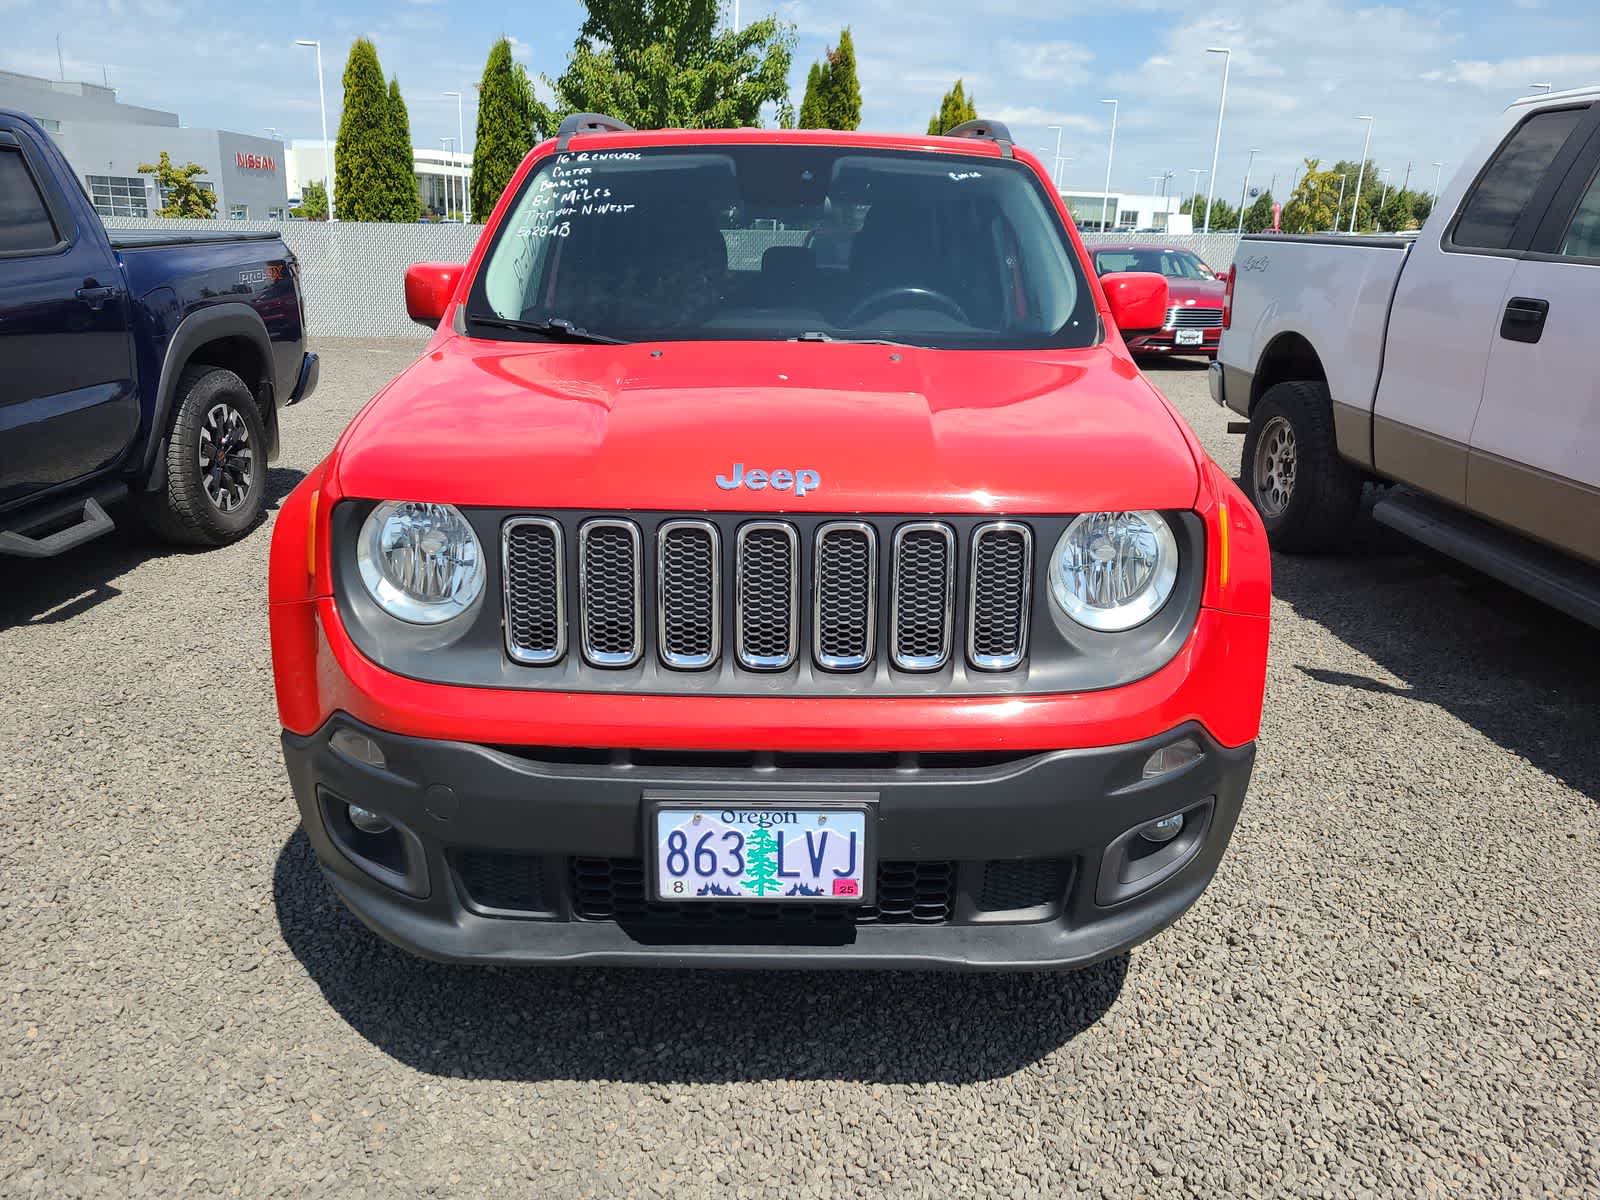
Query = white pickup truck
x=1462 y=365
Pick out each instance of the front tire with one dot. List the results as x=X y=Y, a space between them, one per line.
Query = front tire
x=216 y=463
x=1306 y=493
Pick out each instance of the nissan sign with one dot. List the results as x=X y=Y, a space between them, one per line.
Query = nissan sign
x=255 y=162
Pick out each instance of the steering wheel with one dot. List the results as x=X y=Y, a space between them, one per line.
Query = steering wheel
x=884 y=299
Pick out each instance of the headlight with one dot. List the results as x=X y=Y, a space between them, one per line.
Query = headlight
x=1114 y=570
x=421 y=562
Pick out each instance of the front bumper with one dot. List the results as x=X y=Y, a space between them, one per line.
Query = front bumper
x=1164 y=341
x=997 y=861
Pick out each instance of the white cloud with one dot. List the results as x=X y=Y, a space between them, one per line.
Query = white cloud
x=1565 y=70
x=520 y=50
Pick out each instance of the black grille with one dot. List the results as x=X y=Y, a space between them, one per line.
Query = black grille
x=507 y=882
x=923 y=574
x=609 y=593
x=997 y=629
x=687 y=595
x=536 y=624
x=908 y=893
x=1022 y=883
x=766 y=596
x=845 y=585
x=661 y=584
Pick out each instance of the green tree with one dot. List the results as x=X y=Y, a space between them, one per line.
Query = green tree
x=955 y=108
x=833 y=93
x=505 y=128
x=363 y=160
x=660 y=64
x=405 y=203
x=1311 y=205
x=313 y=202
x=1258 y=216
x=811 y=102
x=181 y=196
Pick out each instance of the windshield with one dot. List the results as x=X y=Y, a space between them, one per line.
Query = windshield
x=1174 y=264
x=788 y=241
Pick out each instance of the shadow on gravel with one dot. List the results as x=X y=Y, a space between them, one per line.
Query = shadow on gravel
x=678 y=1026
x=50 y=591
x=1521 y=674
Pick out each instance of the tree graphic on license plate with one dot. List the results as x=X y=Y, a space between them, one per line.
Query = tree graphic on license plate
x=761 y=862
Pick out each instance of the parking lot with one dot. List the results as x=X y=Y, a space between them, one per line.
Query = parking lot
x=1389 y=989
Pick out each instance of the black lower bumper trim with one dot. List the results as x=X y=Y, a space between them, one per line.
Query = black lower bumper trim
x=510 y=843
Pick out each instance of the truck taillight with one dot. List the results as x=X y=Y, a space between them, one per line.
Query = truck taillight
x=1227 y=296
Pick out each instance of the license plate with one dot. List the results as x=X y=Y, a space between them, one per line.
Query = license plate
x=740 y=852
x=1190 y=337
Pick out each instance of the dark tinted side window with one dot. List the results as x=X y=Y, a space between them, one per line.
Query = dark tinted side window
x=24 y=221
x=1496 y=203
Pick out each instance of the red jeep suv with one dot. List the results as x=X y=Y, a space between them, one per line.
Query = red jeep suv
x=775 y=558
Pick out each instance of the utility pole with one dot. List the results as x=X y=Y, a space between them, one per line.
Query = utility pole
x=1407 y=182
x=1339 y=206
x=61 y=63
x=1437 y=167
x=1244 y=190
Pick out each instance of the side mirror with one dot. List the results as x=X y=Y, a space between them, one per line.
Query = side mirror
x=429 y=286
x=1138 y=299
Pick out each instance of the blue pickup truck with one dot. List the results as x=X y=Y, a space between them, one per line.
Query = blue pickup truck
x=140 y=372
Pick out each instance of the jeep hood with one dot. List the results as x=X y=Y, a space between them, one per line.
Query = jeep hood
x=884 y=428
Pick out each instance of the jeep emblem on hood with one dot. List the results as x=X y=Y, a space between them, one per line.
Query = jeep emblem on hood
x=780 y=480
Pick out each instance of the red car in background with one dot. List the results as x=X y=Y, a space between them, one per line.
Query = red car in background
x=1194 y=310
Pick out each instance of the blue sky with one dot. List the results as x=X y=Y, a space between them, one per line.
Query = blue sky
x=1433 y=74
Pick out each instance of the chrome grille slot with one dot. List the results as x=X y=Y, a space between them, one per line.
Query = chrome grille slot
x=997 y=603
x=924 y=585
x=535 y=590
x=844 y=604
x=609 y=589
x=1183 y=317
x=766 y=595
x=688 y=585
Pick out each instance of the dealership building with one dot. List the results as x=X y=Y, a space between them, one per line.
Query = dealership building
x=106 y=140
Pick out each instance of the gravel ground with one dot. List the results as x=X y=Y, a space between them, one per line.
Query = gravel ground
x=1389 y=989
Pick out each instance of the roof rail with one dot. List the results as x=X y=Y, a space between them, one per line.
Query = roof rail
x=588 y=123
x=990 y=131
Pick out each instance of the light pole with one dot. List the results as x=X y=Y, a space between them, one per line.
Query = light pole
x=1216 y=147
x=1355 y=205
x=1385 y=194
x=1437 y=167
x=461 y=144
x=1244 y=190
x=1055 y=166
x=1339 y=204
x=1105 y=200
x=273 y=132
x=449 y=180
x=1194 y=205
x=322 y=101
x=1539 y=87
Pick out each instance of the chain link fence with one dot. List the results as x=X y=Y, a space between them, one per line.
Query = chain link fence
x=352 y=272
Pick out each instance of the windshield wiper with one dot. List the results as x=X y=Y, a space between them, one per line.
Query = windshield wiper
x=553 y=327
x=816 y=335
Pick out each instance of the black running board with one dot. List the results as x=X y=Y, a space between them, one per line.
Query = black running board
x=1558 y=580
x=92 y=522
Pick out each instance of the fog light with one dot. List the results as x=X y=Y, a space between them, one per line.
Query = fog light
x=358 y=746
x=368 y=821
x=1164 y=830
x=1169 y=758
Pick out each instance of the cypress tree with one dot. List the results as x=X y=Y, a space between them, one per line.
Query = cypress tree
x=833 y=93
x=811 y=104
x=406 y=202
x=955 y=108
x=844 y=89
x=505 y=129
x=362 y=170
